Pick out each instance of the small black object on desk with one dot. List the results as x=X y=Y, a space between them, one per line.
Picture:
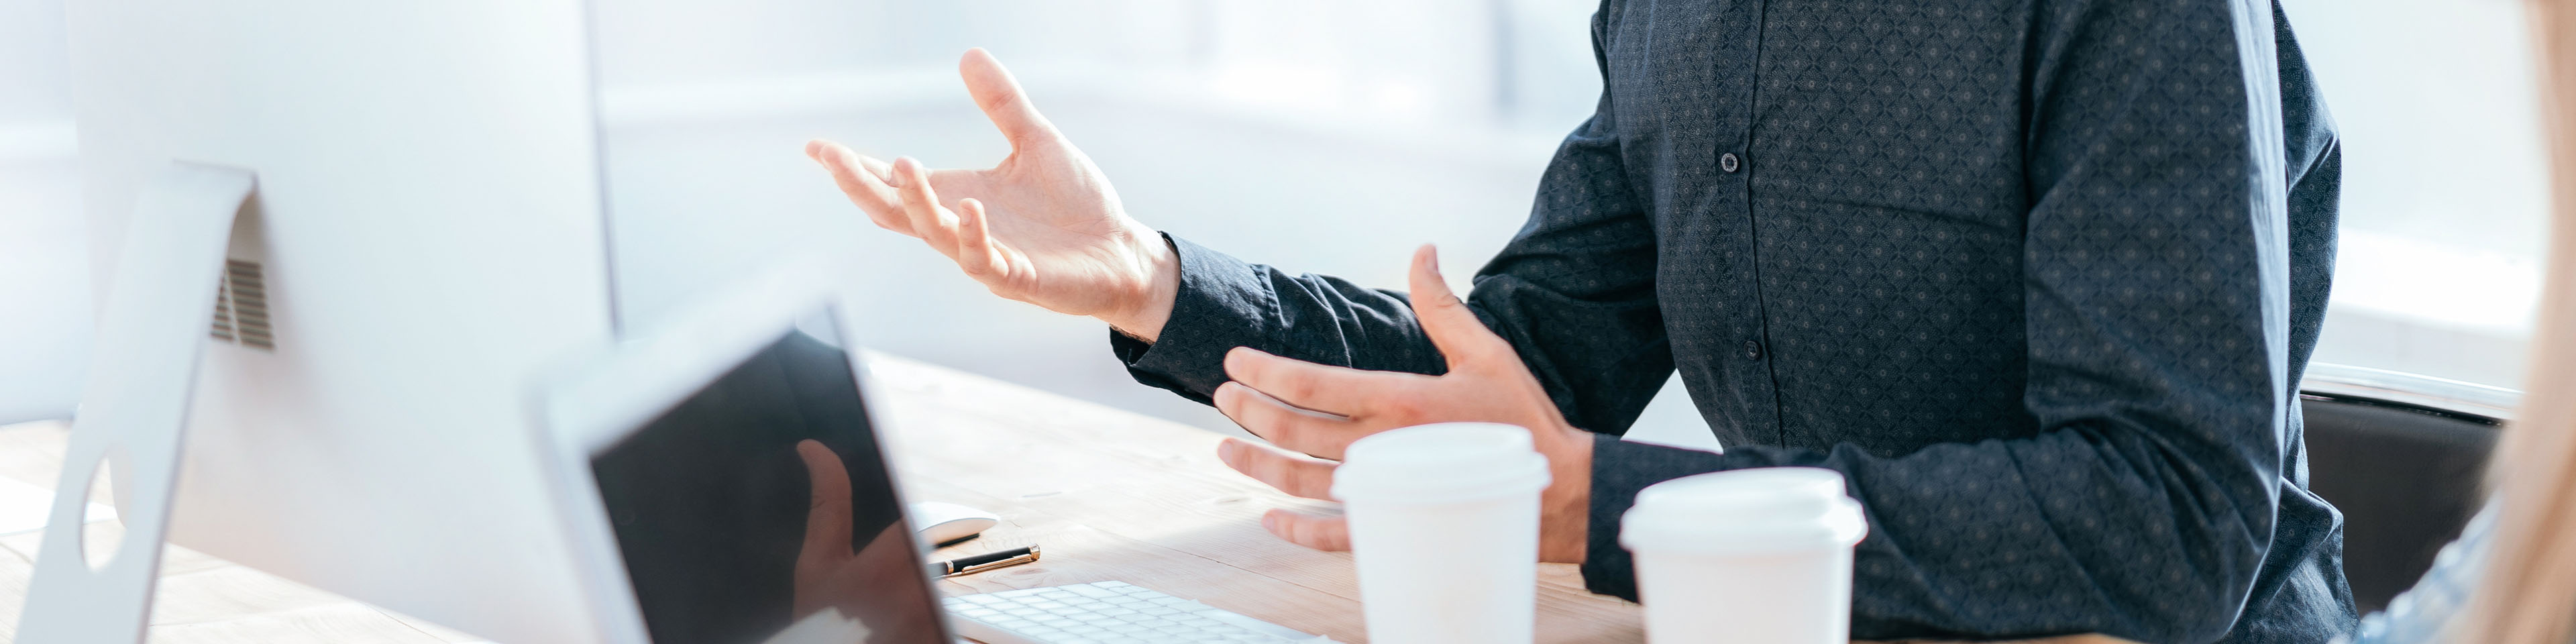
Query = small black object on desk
x=983 y=562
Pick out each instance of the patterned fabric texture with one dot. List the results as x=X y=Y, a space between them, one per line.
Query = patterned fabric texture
x=2000 y=263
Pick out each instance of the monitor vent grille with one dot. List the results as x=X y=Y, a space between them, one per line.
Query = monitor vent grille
x=241 y=306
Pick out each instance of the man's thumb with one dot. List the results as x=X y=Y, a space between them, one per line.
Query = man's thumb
x=1001 y=98
x=1452 y=327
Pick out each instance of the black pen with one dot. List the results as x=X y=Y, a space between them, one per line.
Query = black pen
x=983 y=562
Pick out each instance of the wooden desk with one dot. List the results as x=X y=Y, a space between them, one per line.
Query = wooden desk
x=1110 y=494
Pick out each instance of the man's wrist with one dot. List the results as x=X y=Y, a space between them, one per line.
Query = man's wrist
x=1151 y=305
x=1569 y=511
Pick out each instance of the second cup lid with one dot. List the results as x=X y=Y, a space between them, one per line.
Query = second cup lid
x=1749 y=510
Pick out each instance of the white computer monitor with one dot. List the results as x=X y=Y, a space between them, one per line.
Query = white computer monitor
x=426 y=233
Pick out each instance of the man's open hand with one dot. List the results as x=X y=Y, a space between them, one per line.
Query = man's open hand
x=1042 y=227
x=1319 y=410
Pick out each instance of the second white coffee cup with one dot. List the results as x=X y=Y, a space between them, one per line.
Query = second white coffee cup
x=1444 y=527
x=1754 y=555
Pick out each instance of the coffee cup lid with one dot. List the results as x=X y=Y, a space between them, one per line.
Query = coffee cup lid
x=1440 y=463
x=1745 y=511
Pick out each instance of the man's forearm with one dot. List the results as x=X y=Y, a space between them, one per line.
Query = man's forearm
x=2004 y=538
x=1218 y=303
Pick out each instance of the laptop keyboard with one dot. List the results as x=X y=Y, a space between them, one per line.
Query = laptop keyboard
x=1108 y=612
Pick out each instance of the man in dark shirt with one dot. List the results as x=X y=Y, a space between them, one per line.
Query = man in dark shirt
x=2038 y=277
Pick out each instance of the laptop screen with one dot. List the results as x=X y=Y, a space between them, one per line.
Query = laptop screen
x=759 y=509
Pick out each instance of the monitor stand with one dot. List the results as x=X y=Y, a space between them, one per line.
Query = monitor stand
x=134 y=408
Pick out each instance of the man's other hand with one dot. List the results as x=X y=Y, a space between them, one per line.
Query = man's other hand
x=1042 y=227
x=1319 y=410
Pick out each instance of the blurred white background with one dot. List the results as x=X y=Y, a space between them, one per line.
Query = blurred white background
x=2445 y=184
x=1328 y=136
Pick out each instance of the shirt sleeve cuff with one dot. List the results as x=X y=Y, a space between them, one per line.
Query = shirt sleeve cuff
x=1222 y=303
x=1619 y=469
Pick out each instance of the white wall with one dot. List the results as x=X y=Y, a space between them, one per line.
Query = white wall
x=44 y=256
x=2445 y=191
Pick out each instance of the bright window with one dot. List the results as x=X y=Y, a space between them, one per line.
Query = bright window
x=2445 y=184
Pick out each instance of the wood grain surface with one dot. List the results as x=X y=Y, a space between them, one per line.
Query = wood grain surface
x=1108 y=494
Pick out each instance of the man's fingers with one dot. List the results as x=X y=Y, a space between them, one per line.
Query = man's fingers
x=930 y=222
x=1290 y=473
x=833 y=155
x=877 y=170
x=976 y=250
x=827 y=517
x=862 y=180
x=1306 y=432
x=1329 y=534
x=1328 y=389
x=1003 y=101
x=1460 y=336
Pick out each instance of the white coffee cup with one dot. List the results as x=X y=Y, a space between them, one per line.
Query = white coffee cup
x=1444 y=525
x=1755 y=555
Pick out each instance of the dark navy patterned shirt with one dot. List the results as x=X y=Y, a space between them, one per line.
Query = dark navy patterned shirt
x=2038 y=276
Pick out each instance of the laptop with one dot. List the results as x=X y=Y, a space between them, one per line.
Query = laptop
x=724 y=483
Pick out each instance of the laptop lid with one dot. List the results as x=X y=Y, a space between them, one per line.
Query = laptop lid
x=728 y=483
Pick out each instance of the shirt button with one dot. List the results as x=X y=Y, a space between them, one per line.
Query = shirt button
x=1728 y=162
x=1752 y=350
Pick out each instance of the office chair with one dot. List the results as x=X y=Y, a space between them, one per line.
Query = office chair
x=2403 y=456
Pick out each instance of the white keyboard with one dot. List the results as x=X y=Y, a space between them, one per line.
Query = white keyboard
x=1108 y=612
